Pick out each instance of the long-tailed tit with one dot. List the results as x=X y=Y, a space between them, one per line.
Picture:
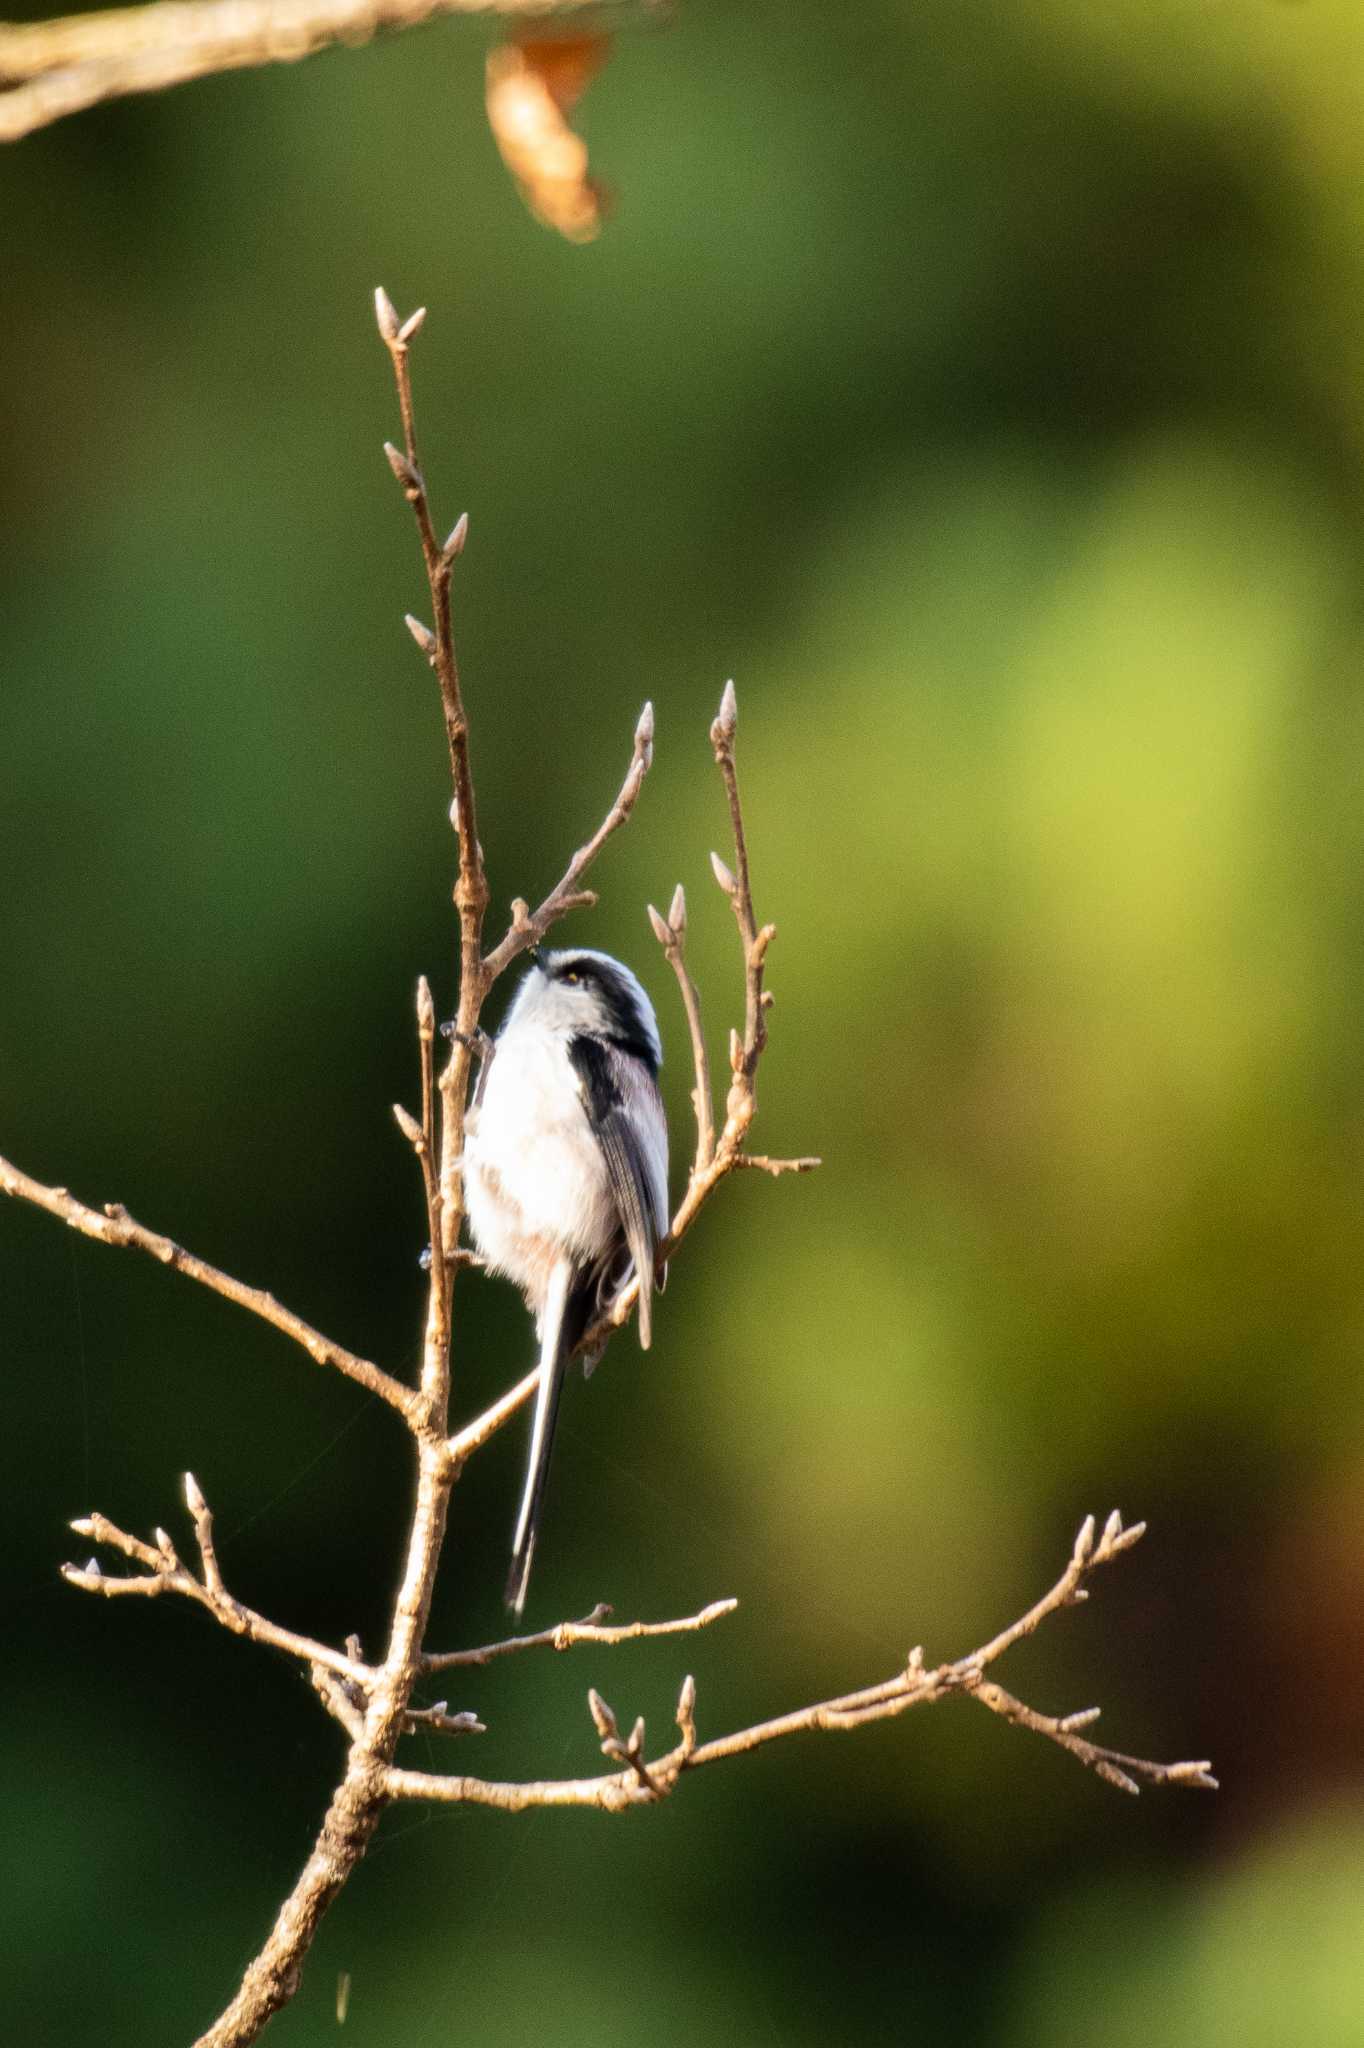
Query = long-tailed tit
x=566 y=1173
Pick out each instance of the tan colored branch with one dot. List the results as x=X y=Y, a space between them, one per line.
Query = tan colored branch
x=671 y=933
x=528 y=927
x=758 y=1162
x=163 y=1572
x=1112 y=1765
x=339 y=1699
x=60 y=67
x=422 y=1136
x=608 y=1794
x=430 y=1145
x=113 y=1225
x=716 y=1157
x=436 y=1721
x=642 y=1782
x=739 y=889
x=1086 y=1557
x=475 y=1434
x=272 y=1978
x=568 y=1634
x=471 y=887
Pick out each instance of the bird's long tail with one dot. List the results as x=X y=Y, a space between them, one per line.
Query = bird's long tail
x=560 y=1328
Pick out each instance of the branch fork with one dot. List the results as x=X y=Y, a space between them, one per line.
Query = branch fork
x=163 y=1572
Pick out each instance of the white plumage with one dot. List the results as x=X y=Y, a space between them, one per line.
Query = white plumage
x=566 y=1171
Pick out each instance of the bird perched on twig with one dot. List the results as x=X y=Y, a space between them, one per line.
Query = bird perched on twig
x=566 y=1173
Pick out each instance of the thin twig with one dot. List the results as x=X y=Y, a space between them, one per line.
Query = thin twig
x=1114 y=1766
x=163 y=1572
x=439 y=557
x=671 y=933
x=436 y=1721
x=528 y=926
x=624 y=1749
x=568 y=1634
x=113 y=1225
x=758 y=1162
x=342 y=1701
x=426 y=1042
x=475 y=1434
x=739 y=888
x=60 y=67
x=1086 y=1557
x=471 y=887
x=423 y=1140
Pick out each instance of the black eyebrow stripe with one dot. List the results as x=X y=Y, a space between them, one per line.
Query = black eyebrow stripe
x=627 y=1029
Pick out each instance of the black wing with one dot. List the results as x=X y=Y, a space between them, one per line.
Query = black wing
x=606 y=1078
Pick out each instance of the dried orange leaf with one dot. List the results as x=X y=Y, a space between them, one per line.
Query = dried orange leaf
x=531 y=86
x=567 y=64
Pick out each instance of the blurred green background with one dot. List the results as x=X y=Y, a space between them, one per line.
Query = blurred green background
x=980 y=386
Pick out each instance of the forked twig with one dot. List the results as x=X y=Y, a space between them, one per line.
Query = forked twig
x=163 y=1572
x=643 y=1781
x=528 y=927
x=567 y=1635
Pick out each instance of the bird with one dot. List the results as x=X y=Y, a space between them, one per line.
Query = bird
x=566 y=1174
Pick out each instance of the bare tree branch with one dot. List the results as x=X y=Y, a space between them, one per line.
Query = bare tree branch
x=643 y=1782
x=1068 y=1591
x=1112 y=1765
x=528 y=927
x=344 y=1702
x=163 y=1572
x=758 y=1162
x=60 y=67
x=739 y=889
x=608 y=1794
x=671 y=933
x=568 y=1634
x=422 y=1137
x=471 y=887
x=475 y=1434
x=436 y=1721
x=113 y=1225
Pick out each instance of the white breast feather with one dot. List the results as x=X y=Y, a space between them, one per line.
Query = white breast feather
x=535 y=1181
